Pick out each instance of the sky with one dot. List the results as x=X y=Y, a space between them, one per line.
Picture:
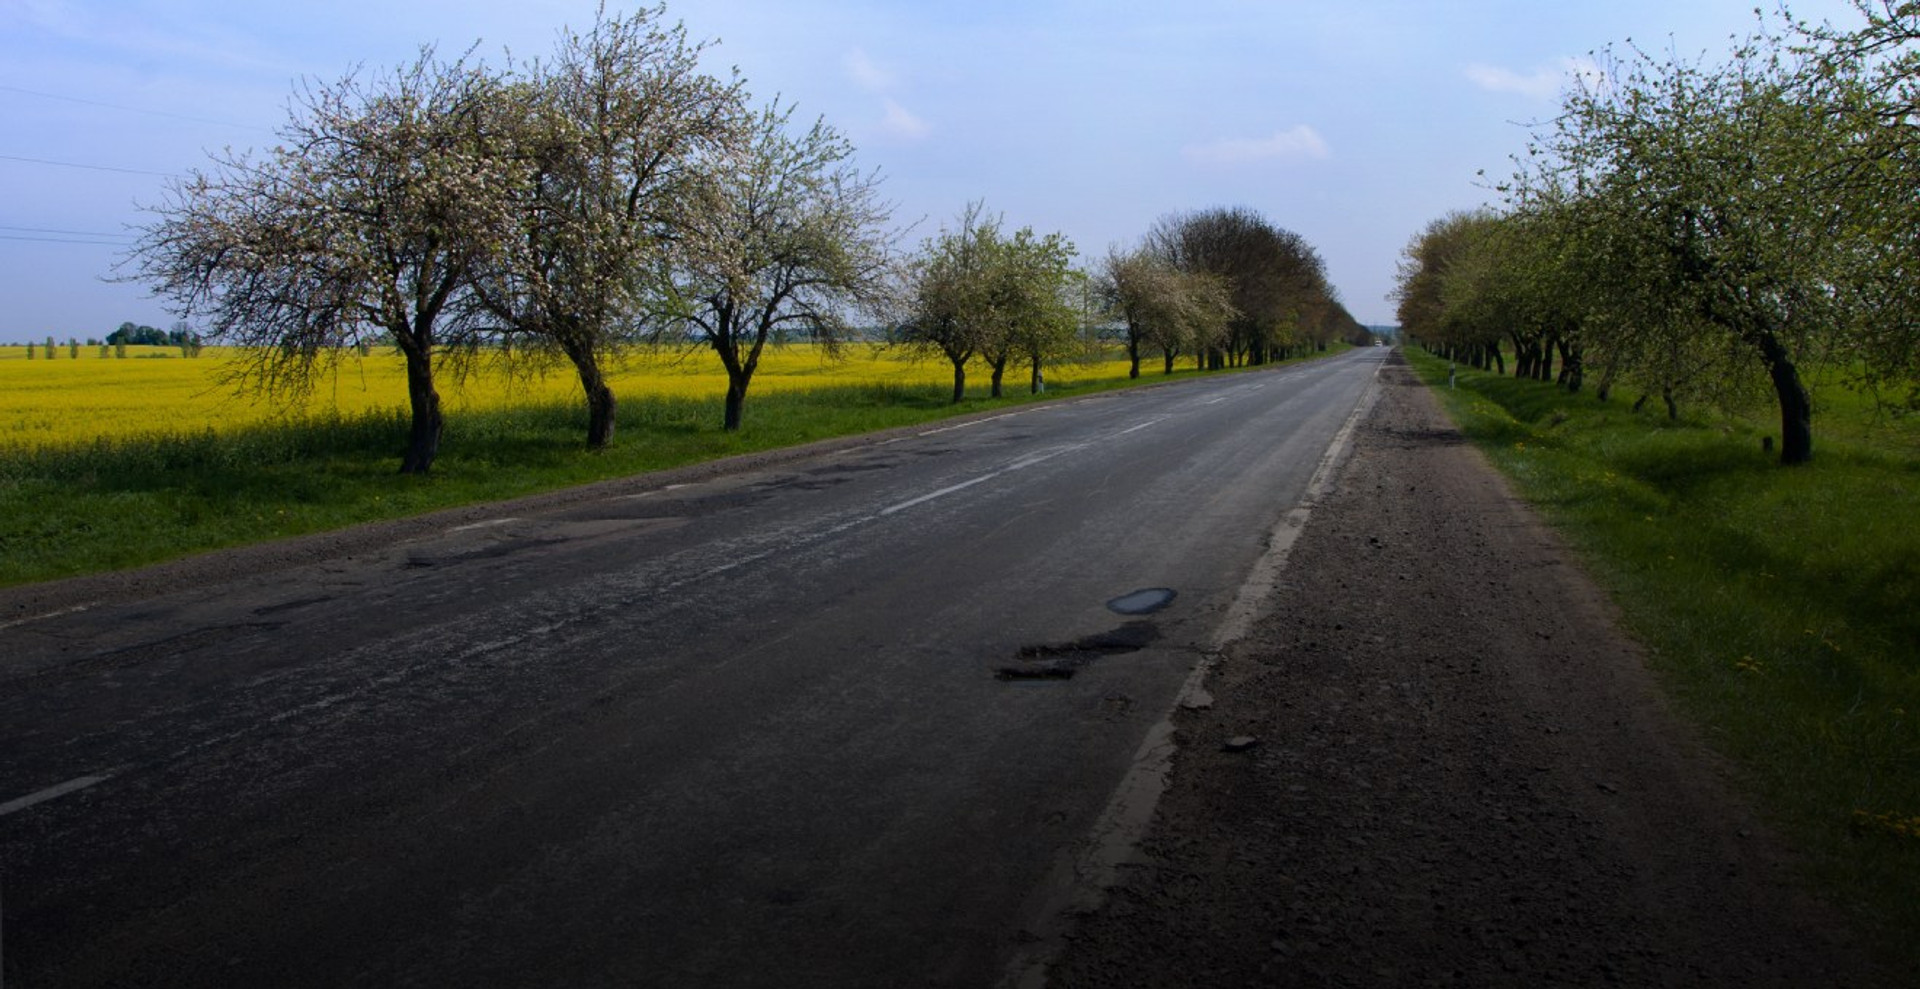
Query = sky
x=1350 y=122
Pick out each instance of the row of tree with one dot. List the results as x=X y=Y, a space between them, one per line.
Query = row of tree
x=1708 y=230
x=615 y=193
x=189 y=344
x=557 y=209
x=1227 y=287
x=1223 y=285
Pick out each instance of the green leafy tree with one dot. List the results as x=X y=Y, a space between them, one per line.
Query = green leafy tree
x=1869 y=76
x=948 y=311
x=1722 y=208
x=1029 y=312
x=1136 y=288
x=1277 y=282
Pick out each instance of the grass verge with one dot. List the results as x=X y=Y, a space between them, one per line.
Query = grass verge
x=1781 y=605
x=113 y=504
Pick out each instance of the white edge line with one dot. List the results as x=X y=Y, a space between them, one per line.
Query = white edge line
x=79 y=783
x=51 y=614
x=1129 y=812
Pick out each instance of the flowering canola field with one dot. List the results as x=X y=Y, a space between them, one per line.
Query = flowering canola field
x=154 y=390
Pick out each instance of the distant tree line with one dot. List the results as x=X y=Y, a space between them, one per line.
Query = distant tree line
x=612 y=194
x=1703 y=231
x=131 y=334
x=1224 y=287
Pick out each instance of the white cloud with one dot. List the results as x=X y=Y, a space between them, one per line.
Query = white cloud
x=900 y=122
x=866 y=72
x=1541 y=84
x=1295 y=144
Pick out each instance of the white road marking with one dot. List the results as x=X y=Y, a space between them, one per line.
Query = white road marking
x=1150 y=422
x=79 y=783
x=1021 y=464
x=977 y=422
x=942 y=493
x=1259 y=584
x=51 y=614
x=1129 y=811
x=488 y=524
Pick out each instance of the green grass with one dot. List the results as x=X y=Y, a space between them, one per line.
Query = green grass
x=1781 y=605
x=119 y=504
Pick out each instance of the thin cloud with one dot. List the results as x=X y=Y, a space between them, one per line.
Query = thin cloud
x=1541 y=84
x=901 y=122
x=1296 y=144
x=866 y=72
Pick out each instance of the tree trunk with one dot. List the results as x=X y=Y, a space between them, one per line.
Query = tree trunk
x=600 y=412
x=736 y=400
x=999 y=372
x=600 y=402
x=423 y=439
x=1167 y=355
x=1133 y=356
x=1036 y=381
x=1572 y=371
x=1673 y=406
x=1499 y=361
x=959 y=380
x=1796 y=409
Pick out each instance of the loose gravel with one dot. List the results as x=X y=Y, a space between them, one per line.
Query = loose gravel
x=1464 y=774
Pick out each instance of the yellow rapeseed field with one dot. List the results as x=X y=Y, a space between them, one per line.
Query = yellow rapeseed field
x=155 y=390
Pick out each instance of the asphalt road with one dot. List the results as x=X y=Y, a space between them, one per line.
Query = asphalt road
x=751 y=731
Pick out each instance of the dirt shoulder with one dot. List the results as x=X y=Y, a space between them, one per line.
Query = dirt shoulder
x=1464 y=774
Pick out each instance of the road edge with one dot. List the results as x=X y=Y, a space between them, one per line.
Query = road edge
x=1079 y=884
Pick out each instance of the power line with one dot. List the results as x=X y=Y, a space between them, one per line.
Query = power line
x=95 y=168
x=65 y=240
x=135 y=109
x=74 y=233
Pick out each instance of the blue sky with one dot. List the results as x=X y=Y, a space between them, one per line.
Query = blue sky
x=1351 y=122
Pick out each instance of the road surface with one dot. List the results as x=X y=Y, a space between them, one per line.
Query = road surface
x=837 y=721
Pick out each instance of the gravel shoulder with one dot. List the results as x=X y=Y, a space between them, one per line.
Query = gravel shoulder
x=1463 y=774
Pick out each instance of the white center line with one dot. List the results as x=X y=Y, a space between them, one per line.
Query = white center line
x=51 y=792
x=1149 y=422
x=50 y=614
x=482 y=525
x=975 y=422
x=943 y=492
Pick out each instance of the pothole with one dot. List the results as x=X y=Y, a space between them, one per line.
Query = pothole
x=1145 y=601
x=1062 y=660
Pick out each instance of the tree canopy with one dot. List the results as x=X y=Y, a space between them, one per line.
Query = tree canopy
x=1715 y=229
